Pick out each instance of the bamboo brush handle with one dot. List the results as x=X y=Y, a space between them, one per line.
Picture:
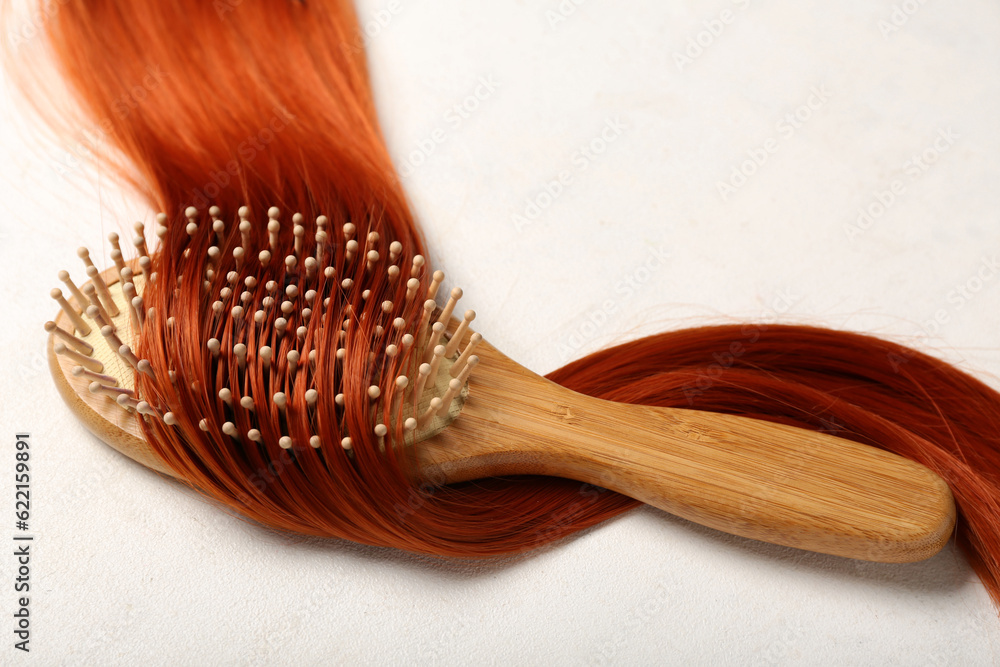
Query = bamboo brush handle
x=742 y=476
x=747 y=477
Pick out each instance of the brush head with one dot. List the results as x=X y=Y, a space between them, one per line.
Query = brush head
x=260 y=326
x=281 y=348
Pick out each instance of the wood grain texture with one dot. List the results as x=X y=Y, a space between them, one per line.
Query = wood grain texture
x=765 y=481
x=116 y=426
x=751 y=478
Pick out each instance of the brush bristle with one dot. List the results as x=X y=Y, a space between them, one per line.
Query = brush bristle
x=268 y=313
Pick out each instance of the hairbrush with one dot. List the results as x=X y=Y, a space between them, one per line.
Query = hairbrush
x=445 y=398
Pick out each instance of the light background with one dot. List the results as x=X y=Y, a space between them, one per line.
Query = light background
x=131 y=569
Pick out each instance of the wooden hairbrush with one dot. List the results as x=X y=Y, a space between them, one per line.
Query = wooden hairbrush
x=756 y=479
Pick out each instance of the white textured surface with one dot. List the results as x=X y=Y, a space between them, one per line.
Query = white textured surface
x=130 y=569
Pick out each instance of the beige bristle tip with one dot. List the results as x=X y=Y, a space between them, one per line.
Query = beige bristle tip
x=306 y=310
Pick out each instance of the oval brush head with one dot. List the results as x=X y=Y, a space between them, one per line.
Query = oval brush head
x=410 y=364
